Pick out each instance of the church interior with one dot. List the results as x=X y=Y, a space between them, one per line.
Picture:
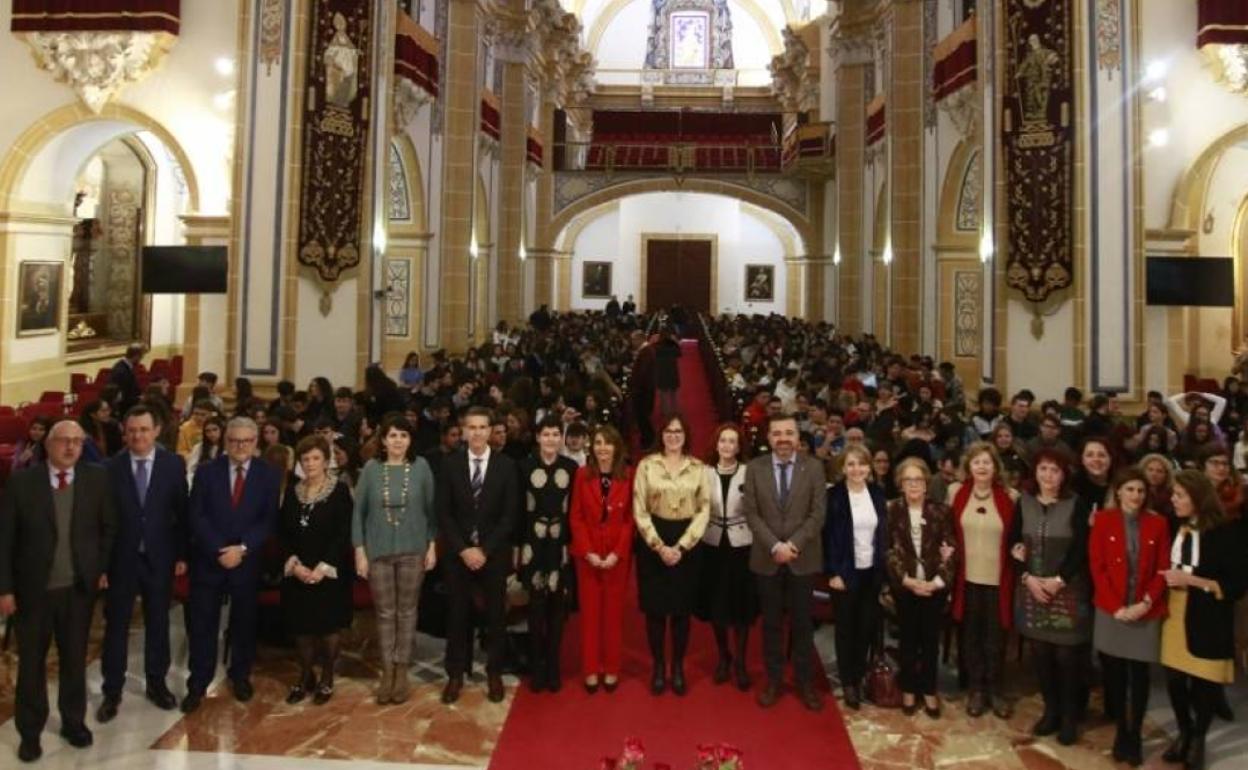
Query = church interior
x=1046 y=194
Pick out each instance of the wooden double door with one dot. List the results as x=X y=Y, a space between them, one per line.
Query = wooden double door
x=678 y=272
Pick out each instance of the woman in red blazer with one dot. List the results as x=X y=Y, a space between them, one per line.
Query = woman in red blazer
x=1128 y=551
x=602 y=538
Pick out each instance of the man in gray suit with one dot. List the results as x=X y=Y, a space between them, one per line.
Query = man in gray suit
x=783 y=502
x=56 y=533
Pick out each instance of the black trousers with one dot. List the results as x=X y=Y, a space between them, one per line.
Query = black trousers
x=464 y=586
x=776 y=593
x=857 y=614
x=1192 y=699
x=547 y=613
x=1126 y=682
x=63 y=614
x=203 y=624
x=136 y=579
x=1062 y=671
x=920 y=621
x=981 y=638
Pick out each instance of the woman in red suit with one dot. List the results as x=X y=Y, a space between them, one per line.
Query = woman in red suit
x=1128 y=551
x=602 y=538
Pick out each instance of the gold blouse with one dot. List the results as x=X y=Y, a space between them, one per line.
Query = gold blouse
x=685 y=495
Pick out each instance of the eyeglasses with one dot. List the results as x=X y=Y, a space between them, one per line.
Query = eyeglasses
x=241 y=441
x=68 y=441
x=673 y=431
x=914 y=480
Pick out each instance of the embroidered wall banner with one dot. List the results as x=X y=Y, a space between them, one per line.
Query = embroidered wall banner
x=335 y=136
x=1038 y=141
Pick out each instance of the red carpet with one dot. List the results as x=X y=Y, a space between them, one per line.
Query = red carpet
x=573 y=730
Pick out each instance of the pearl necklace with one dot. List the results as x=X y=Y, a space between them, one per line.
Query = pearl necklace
x=391 y=518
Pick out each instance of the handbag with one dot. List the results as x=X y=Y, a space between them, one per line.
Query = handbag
x=881 y=685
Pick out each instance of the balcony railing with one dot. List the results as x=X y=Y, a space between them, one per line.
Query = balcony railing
x=668 y=157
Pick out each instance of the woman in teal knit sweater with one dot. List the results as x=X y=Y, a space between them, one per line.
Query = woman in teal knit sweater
x=393 y=532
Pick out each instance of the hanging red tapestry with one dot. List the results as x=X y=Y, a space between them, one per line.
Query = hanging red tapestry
x=335 y=136
x=1038 y=139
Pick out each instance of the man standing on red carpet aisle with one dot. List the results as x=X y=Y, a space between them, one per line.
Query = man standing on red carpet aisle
x=784 y=504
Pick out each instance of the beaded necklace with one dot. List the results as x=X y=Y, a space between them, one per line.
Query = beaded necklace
x=391 y=517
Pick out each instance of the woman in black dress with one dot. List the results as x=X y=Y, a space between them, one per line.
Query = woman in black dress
x=315 y=533
x=666 y=372
x=728 y=597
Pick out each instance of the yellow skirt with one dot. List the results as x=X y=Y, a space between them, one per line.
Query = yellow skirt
x=1174 y=652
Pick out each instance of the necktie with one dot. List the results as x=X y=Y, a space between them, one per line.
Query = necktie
x=62 y=480
x=784 y=482
x=478 y=479
x=140 y=479
x=239 y=477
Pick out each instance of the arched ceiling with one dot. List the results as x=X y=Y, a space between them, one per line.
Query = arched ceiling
x=596 y=16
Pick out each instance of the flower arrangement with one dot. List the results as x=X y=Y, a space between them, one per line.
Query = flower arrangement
x=710 y=757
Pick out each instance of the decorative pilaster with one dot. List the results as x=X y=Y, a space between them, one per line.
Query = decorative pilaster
x=459 y=174
x=906 y=91
x=203 y=346
x=853 y=60
x=512 y=49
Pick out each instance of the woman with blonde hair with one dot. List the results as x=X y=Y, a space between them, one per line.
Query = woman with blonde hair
x=854 y=536
x=983 y=515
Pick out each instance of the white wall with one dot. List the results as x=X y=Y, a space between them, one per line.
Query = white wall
x=743 y=238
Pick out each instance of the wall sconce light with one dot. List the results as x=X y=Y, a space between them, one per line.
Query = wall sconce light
x=836 y=256
x=473 y=251
x=523 y=253
x=887 y=256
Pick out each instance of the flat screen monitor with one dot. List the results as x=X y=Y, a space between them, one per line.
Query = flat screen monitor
x=1191 y=281
x=184 y=269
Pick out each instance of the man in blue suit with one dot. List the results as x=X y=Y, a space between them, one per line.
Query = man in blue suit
x=149 y=496
x=233 y=508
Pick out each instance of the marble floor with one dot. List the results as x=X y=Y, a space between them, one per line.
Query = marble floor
x=422 y=734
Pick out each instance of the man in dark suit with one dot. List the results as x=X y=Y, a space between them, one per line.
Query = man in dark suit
x=783 y=503
x=149 y=495
x=56 y=533
x=125 y=376
x=232 y=510
x=478 y=502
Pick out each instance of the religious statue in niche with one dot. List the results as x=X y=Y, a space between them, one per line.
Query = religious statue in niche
x=1036 y=75
x=690 y=35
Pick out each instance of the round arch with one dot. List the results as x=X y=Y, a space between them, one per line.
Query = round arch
x=1188 y=204
x=612 y=9
x=415 y=181
x=947 y=233
x=805 y=232
x=28 y=145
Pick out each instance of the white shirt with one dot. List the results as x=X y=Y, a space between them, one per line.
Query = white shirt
x=52 y=475
x=485 y=463
x=865 y=521
x=150 y=459
x=916 y=536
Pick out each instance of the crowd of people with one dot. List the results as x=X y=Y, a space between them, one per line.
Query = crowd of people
x=1109 y=543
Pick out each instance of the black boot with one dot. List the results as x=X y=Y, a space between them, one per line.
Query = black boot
x=680 y=643
x=740 y=673
x=1133 y=749
x=658 y=681
x=723 y=668
x=656 y=630
x=1120 y=741
x=1177 y=749
x=1194 y=759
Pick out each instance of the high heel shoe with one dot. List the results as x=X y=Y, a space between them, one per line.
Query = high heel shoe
x=1177 y=749
x=658 y=682
x=591 y=684
x=610 y=684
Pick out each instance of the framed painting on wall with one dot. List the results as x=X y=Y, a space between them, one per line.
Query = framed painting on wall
x=596 y=280
x=39 y=298
x=760 y=283
x=690 y=33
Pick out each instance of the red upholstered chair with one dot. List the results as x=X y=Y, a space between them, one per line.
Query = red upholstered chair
x=51 y=409
x=52 y=397
x=76 y=381
x=101 y=378
x=7 y=411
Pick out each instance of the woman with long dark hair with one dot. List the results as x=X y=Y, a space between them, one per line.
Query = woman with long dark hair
x=320 y=400
x=30 y=450
x=1207 y=576
x=601 y=519
x=102 y=431
x=671 y=506
x=210 y=446
x=728 y=596
x=1049 y=545
x=1128 y=551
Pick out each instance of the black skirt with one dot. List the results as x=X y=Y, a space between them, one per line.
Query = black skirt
x=728 y=590
x=664 y=590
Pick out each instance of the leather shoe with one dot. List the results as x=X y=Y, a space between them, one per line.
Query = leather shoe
x=1068 y=735
x=1046 y=725
x=323 y=694
x=243 y=690
x=160 y=697
x=932 y=711
x=679 y=686
x=809 y=698
x=591 y=687
x=29 y=750
x=78 y=736
x=1177 y=749
x=191 y=702
x=975 y=704
x=722 y=670
x=658 y=682
x=853 y=699
x=108 y=709
x=742 y=676
x=450 y=693
x=1195 y=757
x=494 y=688
x=769 y=695
x=610 y=685
x=1002 y=708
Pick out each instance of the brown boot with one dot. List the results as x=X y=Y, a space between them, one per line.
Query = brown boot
x=386 y=686
x=399 y=690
